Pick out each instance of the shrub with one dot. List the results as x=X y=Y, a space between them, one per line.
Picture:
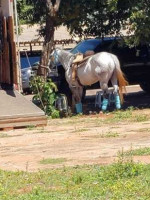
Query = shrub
x=45 y=95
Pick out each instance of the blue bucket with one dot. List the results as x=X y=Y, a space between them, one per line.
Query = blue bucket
x=78 y=108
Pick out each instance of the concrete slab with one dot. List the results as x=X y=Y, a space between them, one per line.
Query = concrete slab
x=15 y=105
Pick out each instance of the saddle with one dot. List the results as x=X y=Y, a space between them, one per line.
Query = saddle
x=77 y=62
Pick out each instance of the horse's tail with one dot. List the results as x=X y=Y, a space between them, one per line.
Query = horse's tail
x=122 y=82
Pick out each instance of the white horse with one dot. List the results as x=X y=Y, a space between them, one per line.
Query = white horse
x=100 y=67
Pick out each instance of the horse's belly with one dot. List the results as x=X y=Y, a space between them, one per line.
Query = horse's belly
x=87 y=75
x=87 y=80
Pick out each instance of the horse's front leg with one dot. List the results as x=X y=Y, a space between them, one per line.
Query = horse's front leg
x=73 y=103
x=79 y=108
x=76 y=99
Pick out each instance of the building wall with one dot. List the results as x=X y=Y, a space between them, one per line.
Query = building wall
x=6 y=7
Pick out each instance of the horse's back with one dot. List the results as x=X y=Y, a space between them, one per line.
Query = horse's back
x=104 y=61
x=99 y=67
x=104 y=56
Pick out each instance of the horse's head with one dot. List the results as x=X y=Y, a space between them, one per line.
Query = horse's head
x=55 y=56
x=62 y=56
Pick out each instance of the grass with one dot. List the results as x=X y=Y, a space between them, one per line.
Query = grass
x=141 y=118
x=53 y=161
x=139 y=152
x=121 y=180
x=110 y=134
x=121 y=116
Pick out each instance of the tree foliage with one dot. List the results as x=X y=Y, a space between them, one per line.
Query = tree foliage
x=94 y=18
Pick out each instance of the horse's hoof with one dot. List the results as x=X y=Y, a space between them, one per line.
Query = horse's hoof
x=118 y=106
x=104 y=108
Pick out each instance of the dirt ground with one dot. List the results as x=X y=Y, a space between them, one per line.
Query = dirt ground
x=87 y=139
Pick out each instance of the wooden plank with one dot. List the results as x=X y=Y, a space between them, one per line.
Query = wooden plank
x=13 y=56
x=5 y=54
x=14 y=63
x=10 y=28
x=5 y=63
x=0 y=67
x=4 y=28
x=22 y=122
x=22 y=119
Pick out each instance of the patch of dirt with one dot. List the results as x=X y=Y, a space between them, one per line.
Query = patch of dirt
x=80 y=140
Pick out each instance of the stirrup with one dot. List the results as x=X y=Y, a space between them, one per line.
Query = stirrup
x=104 y=104
x=117 y=102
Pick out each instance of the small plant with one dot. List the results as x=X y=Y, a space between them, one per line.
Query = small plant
x=45 y=95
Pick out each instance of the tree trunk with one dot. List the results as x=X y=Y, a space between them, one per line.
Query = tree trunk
x=52 y=9
x=47 y=46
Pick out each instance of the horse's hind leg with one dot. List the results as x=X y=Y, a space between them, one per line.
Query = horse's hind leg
x=115 y=92
x=104 y=87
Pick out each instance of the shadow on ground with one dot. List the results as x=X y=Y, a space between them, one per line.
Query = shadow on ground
x=136 y=99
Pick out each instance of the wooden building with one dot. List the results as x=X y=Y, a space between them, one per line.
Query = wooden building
x=15 y=110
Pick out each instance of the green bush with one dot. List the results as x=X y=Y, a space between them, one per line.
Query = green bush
x=45 y=95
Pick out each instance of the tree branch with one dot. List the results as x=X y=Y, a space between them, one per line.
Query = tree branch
x=49 y=4
x=53 y=9
x=56 y=6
